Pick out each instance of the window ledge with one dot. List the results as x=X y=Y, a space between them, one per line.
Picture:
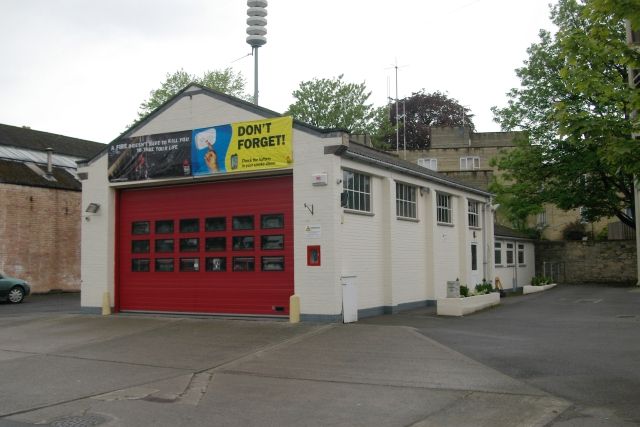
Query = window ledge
x=354 y=212
x=404 y=218
x=445 y=224
x=471 y=227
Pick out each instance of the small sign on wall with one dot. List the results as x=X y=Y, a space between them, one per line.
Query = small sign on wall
x=312 y=231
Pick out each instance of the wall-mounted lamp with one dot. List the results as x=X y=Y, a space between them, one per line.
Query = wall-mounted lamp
x=93 y=208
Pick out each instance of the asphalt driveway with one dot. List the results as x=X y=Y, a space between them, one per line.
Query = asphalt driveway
x=67 y=369
x=566 y=357
x=580 y=343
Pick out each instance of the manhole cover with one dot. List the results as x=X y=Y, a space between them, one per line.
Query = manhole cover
x=79 y=421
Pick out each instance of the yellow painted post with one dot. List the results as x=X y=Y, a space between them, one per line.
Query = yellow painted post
x=294 y=309
x=106 y=304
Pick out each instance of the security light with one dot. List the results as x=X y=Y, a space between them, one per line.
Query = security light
x=93 y=208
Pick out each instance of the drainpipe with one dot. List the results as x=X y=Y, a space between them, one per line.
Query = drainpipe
x=515 y=265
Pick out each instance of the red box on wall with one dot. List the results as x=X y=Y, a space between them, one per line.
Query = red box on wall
x=313 y=255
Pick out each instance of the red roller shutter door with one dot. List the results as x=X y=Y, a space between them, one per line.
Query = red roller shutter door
x=224 y=247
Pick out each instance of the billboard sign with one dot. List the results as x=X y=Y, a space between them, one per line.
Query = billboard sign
x=235 y=147
x=150 y=156
x=242 y=147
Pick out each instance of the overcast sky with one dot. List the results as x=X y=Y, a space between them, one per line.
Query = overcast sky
x=81 y=68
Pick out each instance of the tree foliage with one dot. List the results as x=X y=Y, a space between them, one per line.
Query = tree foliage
x=419 y=113
x=334 y=103
x=574 y=105
x=226 y=81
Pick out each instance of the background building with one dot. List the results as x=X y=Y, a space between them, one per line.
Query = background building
x=40 y=210
x=464 y=155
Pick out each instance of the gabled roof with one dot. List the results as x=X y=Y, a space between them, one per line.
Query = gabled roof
x=18 y=173
x=39 y=141
x=196 y=89
x=502 y=231
x=362 y=153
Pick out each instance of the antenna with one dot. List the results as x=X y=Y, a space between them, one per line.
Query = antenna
x=396 y=67
x=256 y=35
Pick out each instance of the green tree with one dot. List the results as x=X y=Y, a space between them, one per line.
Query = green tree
x=574 y=105
x=334 y=103
x=227 y=81
x=420 y=112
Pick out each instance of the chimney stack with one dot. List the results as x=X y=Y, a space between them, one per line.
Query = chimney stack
x=49 y=161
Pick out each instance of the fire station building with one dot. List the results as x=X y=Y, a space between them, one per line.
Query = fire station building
x=212 y=205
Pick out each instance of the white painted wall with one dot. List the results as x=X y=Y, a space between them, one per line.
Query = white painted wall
x=318 y=287
x=516 y=274
x=97 y=253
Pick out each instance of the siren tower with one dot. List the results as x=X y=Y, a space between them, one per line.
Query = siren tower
x=256 y=30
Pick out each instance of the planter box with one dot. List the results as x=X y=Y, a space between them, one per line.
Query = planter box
x=528 y=289
x=462 y=306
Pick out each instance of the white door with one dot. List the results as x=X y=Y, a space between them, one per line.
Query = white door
x=349 y=299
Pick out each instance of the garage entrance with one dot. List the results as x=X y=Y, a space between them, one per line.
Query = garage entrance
x=218 y=248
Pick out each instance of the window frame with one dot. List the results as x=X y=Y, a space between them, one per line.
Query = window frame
x=406 y=201
x=497 y=253
x=474 y=257
x=444 y=212
x=520 y=254
x=363 y=194
x=473 y=214
x=473 y=159
x=428 y=162
x=509 y=254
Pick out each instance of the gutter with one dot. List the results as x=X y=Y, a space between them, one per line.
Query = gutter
x=347 y=153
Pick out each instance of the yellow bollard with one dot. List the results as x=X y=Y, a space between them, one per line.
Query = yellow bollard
x=106 y=304
x=294 y=309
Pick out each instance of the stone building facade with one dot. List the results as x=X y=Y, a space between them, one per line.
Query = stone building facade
x=466 y=156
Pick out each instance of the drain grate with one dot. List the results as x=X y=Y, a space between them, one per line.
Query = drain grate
x=626 y=316
x=79 y=421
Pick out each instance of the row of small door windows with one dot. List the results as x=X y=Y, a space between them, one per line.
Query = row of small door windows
x=213 y=264
x=192 y=225
x=211 y=244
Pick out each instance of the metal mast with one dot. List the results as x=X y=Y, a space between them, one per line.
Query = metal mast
x=256 y=31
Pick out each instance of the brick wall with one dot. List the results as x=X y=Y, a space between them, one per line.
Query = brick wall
x=608 y=262
x=40 y=236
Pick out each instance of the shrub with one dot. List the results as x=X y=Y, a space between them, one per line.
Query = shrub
x=574 y=231
x=484 y=288
x=464 y=291
x=540 y=280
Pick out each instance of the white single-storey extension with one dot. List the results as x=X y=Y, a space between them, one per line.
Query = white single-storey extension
x=215 y=205
x=514 y=258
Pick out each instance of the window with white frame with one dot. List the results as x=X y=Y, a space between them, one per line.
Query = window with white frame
x=428 y=163
x=520 y=253
x=357 y=186
x=542 y=218
x=469 y=163
x=406 y=205
x=509 y=253
x=473 y=214
x=444 y=208
x=497 y=253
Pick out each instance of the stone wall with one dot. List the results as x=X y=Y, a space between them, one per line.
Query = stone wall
x=40 y=236
x=606 y=262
